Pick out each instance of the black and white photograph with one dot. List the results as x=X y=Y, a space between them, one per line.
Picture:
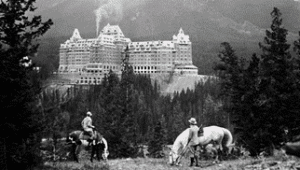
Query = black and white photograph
x=150 y=84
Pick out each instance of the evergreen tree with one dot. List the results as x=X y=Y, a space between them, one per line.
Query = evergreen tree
x=112 y=115
x=246 y=115
x=78 y=107
x=21 y=123
x=238 y=91
x=158 y=139
x=143 y=119
x=262 y=96
x=295 y=130
x=276 y=86
x=129 y=116
x=229 y=71
x=176 y=123
x=297 y=46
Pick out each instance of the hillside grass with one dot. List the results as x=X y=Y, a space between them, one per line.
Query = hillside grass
x=162 y=164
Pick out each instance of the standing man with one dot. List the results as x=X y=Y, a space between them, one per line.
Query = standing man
x=193 y=141
x=87 y=125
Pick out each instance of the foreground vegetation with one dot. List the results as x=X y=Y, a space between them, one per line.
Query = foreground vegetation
x=274 y=162
x=232 y=162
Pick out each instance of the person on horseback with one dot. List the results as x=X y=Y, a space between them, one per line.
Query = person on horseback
x=192 y=144
x=87 y=125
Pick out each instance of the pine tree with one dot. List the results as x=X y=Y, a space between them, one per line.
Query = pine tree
x=294 y=129
x=143 y=119
x=276 y=86
x=297 y=46
x=158 y=139
x=176 y=123
x=263 y=94
x=129 y=117
x=112 y=114
x=239 y=92
x=246 y=112
x=20 y=122
x=229 y=71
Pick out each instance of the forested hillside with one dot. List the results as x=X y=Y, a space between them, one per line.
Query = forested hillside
x=127 y=111
x=256 y=94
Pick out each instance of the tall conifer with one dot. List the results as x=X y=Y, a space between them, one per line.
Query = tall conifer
x=20 y=124
x=276 y=84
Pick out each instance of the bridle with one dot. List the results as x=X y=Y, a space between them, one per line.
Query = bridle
x=176 y=161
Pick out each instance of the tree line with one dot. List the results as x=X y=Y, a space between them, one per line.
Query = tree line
x=262 y=93
x=130 y=111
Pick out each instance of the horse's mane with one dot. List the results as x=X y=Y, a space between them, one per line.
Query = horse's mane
x=74 y=133
x=181 y=141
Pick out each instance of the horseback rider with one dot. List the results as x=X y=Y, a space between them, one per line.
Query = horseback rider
x=193 y=140
x=87 y=125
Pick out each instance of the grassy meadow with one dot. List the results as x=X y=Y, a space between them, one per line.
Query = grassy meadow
x=267 y=163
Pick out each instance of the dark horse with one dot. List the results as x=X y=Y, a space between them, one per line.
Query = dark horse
x=79 y=141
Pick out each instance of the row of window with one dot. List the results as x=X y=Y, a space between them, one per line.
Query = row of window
x=88 y=82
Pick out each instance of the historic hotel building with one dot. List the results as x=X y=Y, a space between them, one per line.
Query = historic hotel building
x=86 y=61
x=152 y=57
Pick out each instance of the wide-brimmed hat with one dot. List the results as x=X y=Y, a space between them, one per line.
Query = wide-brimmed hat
x=89 y=113
x=193 y=121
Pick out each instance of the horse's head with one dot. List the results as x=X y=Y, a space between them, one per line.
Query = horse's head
x=174 y=158
x=73 y=138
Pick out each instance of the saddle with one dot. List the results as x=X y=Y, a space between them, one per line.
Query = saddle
x=200 y=131
x=84 y=135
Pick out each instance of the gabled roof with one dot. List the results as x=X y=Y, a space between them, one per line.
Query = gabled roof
x=112 y=30
x=76 y=35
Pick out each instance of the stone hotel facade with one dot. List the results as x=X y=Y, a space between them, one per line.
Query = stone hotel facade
x=86 y=61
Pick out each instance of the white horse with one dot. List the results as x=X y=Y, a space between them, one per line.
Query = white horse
x=212 y=134
x=179 y=147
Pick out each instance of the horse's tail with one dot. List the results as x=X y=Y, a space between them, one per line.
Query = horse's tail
x=227 y=139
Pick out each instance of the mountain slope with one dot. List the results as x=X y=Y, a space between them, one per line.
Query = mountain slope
x=147 y=17
x=207 y=22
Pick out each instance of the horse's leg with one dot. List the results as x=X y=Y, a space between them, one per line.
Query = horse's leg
x=77 y=152
x=74 y=147
x=225 y=151
x=220 y=144
x=219 y=149
x=98 y=154
x=93 y=152
x=96 y=151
